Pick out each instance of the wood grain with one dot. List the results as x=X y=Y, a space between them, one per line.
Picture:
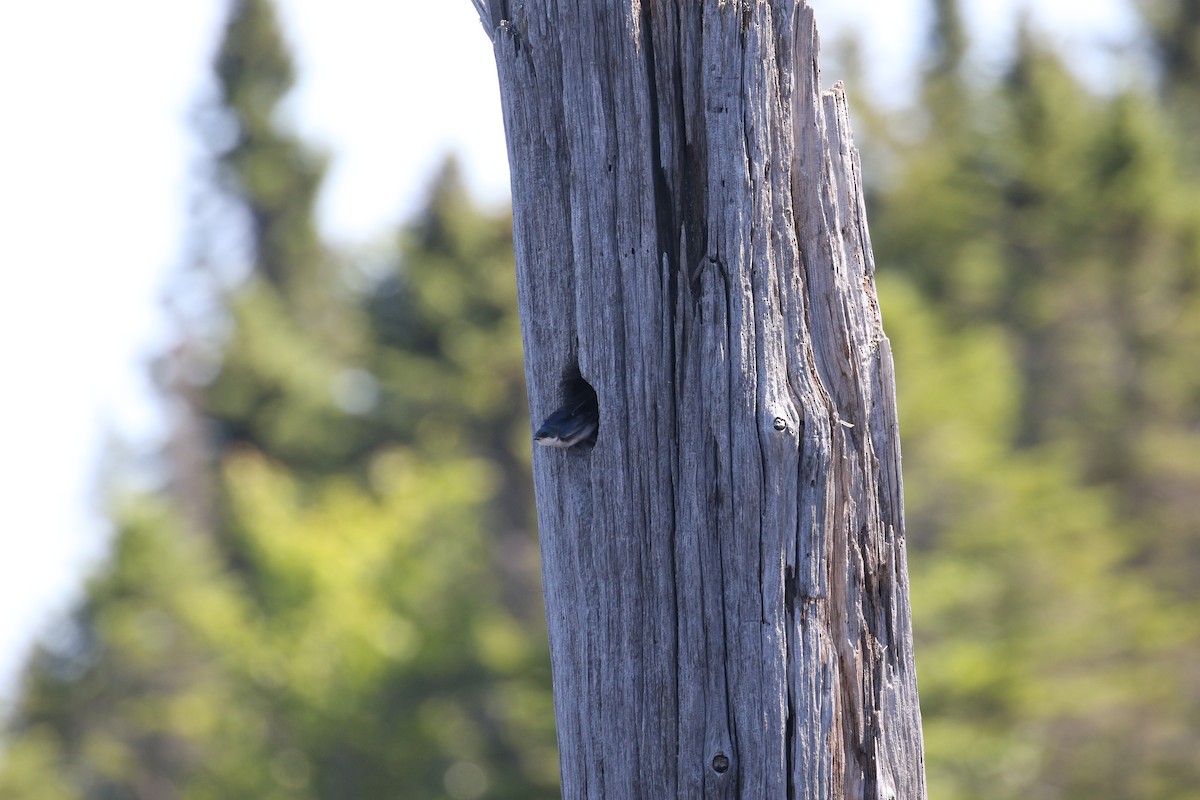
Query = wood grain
x=724 y=570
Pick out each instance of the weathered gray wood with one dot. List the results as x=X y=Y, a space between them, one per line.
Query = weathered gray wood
x=724 y=571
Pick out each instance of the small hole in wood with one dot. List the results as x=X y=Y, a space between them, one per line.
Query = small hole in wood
x=720 y=763
x=577 y=420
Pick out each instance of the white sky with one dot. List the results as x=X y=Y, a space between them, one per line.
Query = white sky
x=95 y=151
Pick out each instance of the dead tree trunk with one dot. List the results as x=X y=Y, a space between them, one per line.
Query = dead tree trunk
x=724 y=569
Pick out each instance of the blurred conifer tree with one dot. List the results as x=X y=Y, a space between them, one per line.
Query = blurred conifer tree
x=1039 y=253
x=1174 y=29
x=337 y=596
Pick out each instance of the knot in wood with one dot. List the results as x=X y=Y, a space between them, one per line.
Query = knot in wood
x=720 y=763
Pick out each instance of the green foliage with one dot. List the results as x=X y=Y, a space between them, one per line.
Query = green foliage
x=1039 y=653
x=318 y=612
x=1172 y=27
x=1063 y=217
x=1040 y=276
x=274 y=176
x=451 y=314
x=120 y=698
x=288 y=345
x=342 y=658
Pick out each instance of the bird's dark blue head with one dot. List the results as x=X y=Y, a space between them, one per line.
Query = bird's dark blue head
x=576 y=421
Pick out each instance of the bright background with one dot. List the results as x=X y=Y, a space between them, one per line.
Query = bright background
x=95 y=156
